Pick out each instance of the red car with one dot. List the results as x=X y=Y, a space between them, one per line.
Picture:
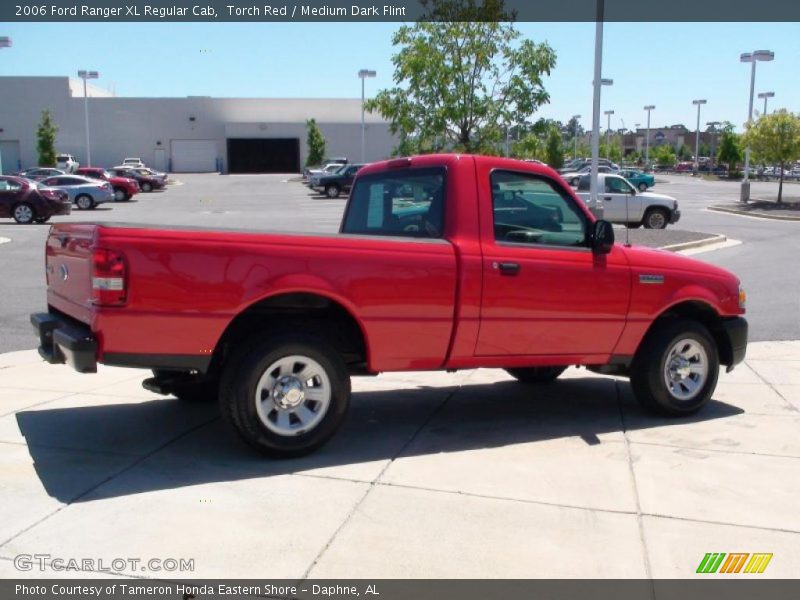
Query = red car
x=684 y=167
x=25 y=201
x=443 y=262
x=124 y=187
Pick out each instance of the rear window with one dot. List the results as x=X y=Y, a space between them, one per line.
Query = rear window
x=407 y=202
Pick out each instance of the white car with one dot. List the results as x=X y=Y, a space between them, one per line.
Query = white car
x=67 y=163
x=133 y=162
x=623 y=203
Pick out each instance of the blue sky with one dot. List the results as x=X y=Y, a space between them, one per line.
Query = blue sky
x=666 y=64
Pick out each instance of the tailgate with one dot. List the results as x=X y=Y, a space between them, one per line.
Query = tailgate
x=68 y=267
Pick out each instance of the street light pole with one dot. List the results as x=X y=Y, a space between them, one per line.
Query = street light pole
x=575 y=138
x=597 y=83
x=87 y=75
x=751 y=57
x=698 y=103
x=363 y=74
x=648 y=108
x=5 y=42
x=765 y=96
x=608 y=113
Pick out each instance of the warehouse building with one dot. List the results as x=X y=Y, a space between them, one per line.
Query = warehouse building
x=192 y=134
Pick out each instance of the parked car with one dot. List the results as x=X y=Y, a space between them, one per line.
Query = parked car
x=333 y=184
x=39 y=173
x=147 y=183
x=148 y=172
x=124 y=188
x=26 y=201
x=336 y=160
x=623 y=204
x=684 y=167
x=327 y=169
x=132 y=162
x=638 y=179
x=430 y=273
x=84 y=192
x=67 y=163
x=574 y=177
x=580 y=163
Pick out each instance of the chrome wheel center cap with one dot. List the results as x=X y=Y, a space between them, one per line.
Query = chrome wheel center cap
x=680 y=368
x=288 y=392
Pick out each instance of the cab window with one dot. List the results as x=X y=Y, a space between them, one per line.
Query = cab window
x=617 y=185
x=408 y=202
x=529 y=209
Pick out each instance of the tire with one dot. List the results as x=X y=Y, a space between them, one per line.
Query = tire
x=120 y=195
x=23 y=213
x=188 y=388
x=332 y=190
x=84 y=202
x=643 y=187
x=271 y=364
x=678 y=351
x=574 y=182
x=146 y=187
x=536 y=374
x=656 y=218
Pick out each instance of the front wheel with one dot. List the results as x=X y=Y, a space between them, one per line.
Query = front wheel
x=675 y=370
x=656 y=218
x=84 y=202
x=146 y=187
x=23 y=213
x=642 y=187
x=286 y=395
x=536 y=374
x=574 y=182
x=332 y=191
x=120 y=195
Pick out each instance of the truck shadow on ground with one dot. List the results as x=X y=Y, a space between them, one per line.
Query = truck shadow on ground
x=168 y=444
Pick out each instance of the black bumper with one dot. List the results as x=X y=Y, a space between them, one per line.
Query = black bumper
x=736 y=331
x=63 y=340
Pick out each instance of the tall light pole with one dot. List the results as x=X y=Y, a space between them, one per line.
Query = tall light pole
x=712 y=125
x=87 y=75
x=5 y=42
x=608 y=113
x=597 y=83
x=766 y=95
x=648 y=108
x=575 y=137
x=751 y=57
x=362 y=75
x=697 y=103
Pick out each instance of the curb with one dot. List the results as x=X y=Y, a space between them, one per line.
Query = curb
x=756 y=215
x=717 y=239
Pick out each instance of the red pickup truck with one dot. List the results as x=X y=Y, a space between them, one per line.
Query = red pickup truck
x=442 y=262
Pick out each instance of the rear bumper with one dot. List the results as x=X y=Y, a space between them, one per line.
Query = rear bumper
x=736 y=331
x=63 y=340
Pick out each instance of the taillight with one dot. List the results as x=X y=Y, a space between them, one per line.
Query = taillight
x=109 y=278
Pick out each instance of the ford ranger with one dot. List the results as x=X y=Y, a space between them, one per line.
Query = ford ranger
x=442 y=262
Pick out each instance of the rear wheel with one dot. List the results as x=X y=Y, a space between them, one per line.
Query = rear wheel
x=286 y=395
x=675 y=369
x=23 y=213
x=84 y=202
x=120 y=195
x=332 y=190
x=656 y=218
x=536 y=374
x=146 y=187
x=643 y=187
x=574 y=182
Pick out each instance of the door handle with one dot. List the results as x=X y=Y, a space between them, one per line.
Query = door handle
x=507 y=268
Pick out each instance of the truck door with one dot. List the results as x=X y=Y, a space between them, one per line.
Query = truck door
x=544 y=291
x=620 y=203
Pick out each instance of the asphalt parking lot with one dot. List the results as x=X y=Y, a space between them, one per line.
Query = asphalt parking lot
x=468 y=474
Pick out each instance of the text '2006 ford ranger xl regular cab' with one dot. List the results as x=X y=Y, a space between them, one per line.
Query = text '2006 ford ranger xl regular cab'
x=442 y=262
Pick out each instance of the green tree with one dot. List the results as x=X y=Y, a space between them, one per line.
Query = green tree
x=46 y=140
x=684 y=152
x=730 y=149
x=775 y=138
x=554 y=149
x=315 y=142
x=530 y=145
x=663 y=156
x=460 y=72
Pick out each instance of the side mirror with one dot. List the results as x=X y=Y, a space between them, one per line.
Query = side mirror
x=602 y=237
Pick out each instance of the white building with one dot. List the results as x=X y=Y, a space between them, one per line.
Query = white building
x=192 y=134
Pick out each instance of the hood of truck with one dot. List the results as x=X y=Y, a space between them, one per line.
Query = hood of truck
x=658 y=197
x=656 y=258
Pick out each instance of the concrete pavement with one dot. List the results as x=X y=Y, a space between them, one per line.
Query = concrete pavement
x=458 y=475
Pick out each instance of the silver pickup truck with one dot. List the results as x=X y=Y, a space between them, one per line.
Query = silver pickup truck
x=623 y=203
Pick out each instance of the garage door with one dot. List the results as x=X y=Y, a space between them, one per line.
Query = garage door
x=194 y=156
x=9 y=157
x=264 y=155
